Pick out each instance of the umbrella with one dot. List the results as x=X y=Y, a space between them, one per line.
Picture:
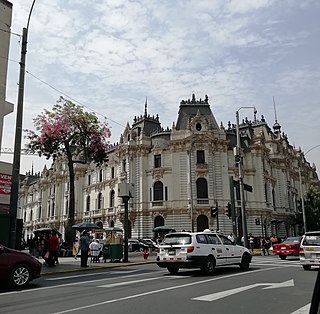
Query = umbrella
x=86 y=225
x=45 y=230
x=113 y=229
x=164 y=229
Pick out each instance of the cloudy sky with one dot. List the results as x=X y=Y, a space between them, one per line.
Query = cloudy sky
x=109 y=55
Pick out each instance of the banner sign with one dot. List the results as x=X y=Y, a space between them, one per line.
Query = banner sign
x=5 y=184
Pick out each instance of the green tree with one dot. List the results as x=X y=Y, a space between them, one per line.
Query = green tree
x=67 y=130
x=312 y=207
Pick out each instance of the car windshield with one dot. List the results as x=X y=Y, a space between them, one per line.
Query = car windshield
x=177 y=239
x=291 y=240
x=313 y=239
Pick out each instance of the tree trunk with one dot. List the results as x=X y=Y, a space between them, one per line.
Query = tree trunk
x=70 y=233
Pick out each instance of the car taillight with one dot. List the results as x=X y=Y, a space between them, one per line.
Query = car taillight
x=301 y=251
x=190 y=249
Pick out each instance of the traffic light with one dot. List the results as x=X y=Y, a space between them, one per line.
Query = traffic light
x=257 y=220
x=214 y=211
x=229 y=210
x=237 y=159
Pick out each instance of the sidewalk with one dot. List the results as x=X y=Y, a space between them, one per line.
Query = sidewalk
x=70 y=264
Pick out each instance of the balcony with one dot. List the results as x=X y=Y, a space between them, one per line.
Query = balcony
x=204 y=201
x=157 y=203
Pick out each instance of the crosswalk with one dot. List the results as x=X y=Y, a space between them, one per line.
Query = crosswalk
x=275 y=261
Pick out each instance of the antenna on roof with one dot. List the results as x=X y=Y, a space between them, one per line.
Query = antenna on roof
x=145 y=107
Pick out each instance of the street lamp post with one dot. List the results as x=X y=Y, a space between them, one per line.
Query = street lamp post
x=18 y=135
x=241 y=184
x=304 y=218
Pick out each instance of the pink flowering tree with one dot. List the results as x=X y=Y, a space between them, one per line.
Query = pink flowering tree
x=68 y=131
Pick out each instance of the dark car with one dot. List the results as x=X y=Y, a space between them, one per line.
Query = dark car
x=136 y=245
x=289 y=247
x=18 y=268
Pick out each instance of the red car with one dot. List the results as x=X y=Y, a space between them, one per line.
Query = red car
x=18 y=268
x=290 y=246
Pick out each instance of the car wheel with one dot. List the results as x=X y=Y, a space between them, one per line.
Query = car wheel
x=173 y=270
x=209 y=266
x=283 y=257
x=245 y=262
x=306 y=267
x=20 y=276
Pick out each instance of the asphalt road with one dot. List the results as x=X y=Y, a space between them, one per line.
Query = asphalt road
x=270 y=286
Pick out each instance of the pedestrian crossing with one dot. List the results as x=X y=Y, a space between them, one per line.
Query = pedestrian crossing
x=271 y=260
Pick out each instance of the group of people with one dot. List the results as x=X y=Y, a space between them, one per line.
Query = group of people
x=87 y=246
x=49 y=247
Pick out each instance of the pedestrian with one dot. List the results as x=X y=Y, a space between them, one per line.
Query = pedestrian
x=53 y=247
x=264 y=244
x=84 y=247
x=95 y=251
x=231 y=237
x=251 y=242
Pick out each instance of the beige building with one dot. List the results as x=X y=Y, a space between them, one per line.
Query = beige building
x=5 y=25
x=179 y=176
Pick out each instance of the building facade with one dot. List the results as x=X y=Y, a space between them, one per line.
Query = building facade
x=180 y=175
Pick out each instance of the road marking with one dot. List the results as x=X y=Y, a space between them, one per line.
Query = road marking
x=124 y=283
x=161 y=290
x=91 y=274
x=226 y=293
x=303 y=310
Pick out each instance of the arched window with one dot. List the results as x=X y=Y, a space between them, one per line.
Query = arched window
x=202 y=188
x=158 y=221
x=158 y=191
x=112 y=198
x=202 y=223
x=88 y=203
x=100 y=200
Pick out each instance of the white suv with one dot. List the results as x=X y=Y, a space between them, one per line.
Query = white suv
x=310 y=250
x=204 y=250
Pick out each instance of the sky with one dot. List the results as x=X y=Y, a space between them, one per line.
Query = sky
x=109 y=55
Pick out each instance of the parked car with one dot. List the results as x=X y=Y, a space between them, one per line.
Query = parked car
x=204 y=250
x=289 y=247
x=18 y=268
x=153 y=246
x=135 y=245
x=310 y=250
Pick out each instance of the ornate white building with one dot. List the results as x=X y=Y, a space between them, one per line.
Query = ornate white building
x=179 y=175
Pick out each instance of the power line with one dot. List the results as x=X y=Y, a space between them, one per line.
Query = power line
x=71 y=98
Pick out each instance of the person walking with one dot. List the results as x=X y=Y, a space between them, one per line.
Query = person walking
x=53 y=247
x=84 y=247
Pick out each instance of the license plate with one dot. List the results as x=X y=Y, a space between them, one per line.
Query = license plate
x=283 y=247
x=309 y=248
x=172 y=252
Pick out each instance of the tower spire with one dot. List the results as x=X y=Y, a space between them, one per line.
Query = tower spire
x=276 y=126
x=145 y=107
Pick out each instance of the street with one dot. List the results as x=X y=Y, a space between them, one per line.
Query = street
x=270 y=286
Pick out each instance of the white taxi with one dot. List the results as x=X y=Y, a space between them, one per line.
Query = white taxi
x=204 y=250
x=310 y=250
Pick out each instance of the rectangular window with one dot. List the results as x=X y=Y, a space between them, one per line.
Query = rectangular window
x=124 y=165
x=200 y=157
x=89 y=179
x=112 y=173
x=166 y=193
x=157 y=161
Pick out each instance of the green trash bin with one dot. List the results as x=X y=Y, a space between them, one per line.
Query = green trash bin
x=106 y=253
x=114 y=252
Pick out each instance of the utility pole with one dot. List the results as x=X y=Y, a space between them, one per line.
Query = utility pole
x=14 y=196
x=241 y=183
